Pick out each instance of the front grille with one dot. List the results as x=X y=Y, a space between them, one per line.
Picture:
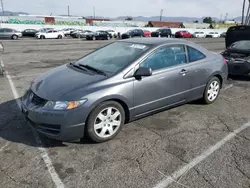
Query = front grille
x=37 y=100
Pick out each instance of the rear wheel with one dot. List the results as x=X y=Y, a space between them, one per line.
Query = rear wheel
x=212 y=90
x=14 y=37
x=105 y=121
x=59 y=36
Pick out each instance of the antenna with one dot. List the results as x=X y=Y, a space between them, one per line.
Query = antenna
x=68 y=10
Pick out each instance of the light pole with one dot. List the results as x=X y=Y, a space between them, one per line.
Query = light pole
x=243 y=11
x=161 y=14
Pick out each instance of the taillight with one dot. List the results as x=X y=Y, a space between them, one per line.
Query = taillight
x=225 y=61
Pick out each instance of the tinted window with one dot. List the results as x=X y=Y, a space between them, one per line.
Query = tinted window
x=166 y=57
x=114 y=57
x=194 y=55
x=241 y=45
x=8 y=30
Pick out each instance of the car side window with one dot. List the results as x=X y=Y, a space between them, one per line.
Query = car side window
x=165 y=57
x=49 y=31
x=194 y=55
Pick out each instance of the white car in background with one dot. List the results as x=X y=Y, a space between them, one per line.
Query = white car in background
x=68 y=31
x=113 y=33
x=213 y=35
x=50 y=34
x=199 y=34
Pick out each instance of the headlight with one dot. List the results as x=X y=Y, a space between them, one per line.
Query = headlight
x=64 y=105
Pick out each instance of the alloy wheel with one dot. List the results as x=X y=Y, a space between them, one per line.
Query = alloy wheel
x=107 y=122
x=213 y=90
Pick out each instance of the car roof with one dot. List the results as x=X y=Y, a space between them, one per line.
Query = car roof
x=156 y=41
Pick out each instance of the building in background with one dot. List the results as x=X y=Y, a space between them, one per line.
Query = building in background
x=165 y=24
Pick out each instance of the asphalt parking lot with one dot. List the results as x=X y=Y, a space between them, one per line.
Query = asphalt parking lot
x=191 y=146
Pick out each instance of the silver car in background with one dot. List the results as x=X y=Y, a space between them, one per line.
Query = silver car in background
x=8 y=33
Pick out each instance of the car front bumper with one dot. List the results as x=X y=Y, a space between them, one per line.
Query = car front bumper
x=64 y=125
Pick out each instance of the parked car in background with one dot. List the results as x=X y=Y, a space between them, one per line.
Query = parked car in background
x=113 y=33
x=213 y=35
x=133 y=33
x=199 y=34
x=119 y=83
x=223 y=35
x=183 y=34
x=7 y=33
x=67 y=31
x=29 y=32
x=44 y=29
x=164 y=32
x=147 y=33
x=50 y=34
x=98 y=35
x=81 y=33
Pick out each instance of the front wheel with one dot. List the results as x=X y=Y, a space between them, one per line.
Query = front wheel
x=59 y=37
x=14 y=37
x=105 y=121
x=212 y=90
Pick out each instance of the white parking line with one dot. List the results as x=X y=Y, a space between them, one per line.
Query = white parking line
x=2 y=148
x=43 y=152
x=177 y=174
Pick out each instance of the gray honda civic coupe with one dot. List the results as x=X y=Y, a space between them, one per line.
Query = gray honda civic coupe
x=121 y=82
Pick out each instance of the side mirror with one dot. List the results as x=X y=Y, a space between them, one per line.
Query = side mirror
x=1 y=47
x=143 y=71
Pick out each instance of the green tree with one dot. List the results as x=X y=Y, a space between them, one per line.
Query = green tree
x=207 y=20
x=129 y=18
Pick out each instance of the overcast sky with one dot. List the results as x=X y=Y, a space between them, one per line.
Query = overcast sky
x=114 y=8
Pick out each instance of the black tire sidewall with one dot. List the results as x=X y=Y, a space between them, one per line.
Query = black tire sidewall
x=205 y=96
x=91 y=119
x=14 y=37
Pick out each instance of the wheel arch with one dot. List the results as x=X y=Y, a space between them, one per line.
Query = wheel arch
x=119 y=99
x=218 y=75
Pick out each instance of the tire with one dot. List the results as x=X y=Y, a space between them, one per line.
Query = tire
x=94 y=133
x=14 y=37
x=42 y=37
x=59 y=37
x=93 y=38
x=108 y=37
x=210 y=91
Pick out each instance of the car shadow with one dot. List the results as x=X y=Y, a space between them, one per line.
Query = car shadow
x=14 y=128
x=239 y=78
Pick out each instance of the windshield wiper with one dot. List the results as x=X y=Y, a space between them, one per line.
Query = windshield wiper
x=78 y=67
x=93 y=69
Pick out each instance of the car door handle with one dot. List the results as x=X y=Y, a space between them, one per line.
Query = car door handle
x=183 y=71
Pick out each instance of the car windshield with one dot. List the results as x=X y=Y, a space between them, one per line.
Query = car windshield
x=241 y=45
x=159 y=30
x=114 y=57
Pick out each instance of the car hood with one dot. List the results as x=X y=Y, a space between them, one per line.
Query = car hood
x=63 y=83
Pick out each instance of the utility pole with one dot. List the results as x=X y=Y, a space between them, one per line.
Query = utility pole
x=247 y=16
x=68 y=11
x=2 y=7
x=94 y=11
x=161 y=14
x=243 y=11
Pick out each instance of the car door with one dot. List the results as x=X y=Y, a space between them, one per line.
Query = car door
x=49 y=34
x=197 y=71
x=7 y=33
x=1 y=33
x=55 y=34
x=169 y=83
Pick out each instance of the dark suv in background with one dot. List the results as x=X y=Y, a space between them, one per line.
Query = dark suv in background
x=165 y=32
x=133 y=33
